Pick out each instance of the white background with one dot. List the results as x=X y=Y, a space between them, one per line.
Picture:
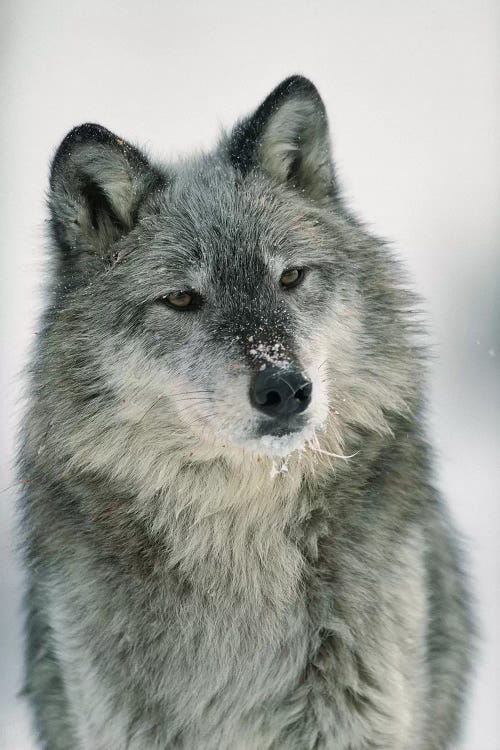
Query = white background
x=412 y=91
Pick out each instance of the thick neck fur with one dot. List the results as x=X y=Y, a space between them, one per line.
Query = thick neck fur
x=223 y=518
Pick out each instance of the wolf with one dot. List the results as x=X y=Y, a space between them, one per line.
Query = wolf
x=231 y=533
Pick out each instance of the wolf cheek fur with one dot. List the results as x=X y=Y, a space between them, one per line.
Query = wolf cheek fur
x=188 y=588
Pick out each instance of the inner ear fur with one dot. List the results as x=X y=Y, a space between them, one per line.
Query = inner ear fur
x=288 y=138
x=97 y=184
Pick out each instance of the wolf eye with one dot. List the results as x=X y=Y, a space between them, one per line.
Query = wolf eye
x=291 y=277
x=181 y=300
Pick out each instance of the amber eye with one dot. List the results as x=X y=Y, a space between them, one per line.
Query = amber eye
x=291 y=277
x=180 y=300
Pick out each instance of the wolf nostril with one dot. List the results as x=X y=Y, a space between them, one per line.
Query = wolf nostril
x=271 y=398
x=281 y=392
x=304 y=393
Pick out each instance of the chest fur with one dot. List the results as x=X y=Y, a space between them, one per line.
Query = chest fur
x=234 y=654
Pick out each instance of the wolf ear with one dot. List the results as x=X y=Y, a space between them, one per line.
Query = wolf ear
x=288 y=138
x=97 y=184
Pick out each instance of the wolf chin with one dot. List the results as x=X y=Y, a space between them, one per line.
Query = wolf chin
x=230 y=530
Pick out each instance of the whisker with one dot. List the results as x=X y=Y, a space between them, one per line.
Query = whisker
x=151 y=408
x=335 y=455
x=203 y=399
x=184 y=410
x=288 y=384
x=189 y=393
x=193 y=398
x=203 y=416
x=318 y=453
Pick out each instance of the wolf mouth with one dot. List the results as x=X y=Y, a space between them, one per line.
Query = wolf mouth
x=280 y=441
x=288 y=428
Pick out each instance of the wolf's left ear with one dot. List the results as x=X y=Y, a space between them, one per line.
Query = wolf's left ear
x=287 y=136
x=97 y=184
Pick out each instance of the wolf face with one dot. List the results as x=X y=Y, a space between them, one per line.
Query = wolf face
x=229 y=334
x=227 y=311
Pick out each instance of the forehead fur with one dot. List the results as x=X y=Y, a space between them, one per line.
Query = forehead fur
x=209 y=205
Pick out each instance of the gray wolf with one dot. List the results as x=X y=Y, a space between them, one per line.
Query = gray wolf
x=231 y=533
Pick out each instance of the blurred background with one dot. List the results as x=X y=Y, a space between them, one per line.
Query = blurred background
x=412 y=90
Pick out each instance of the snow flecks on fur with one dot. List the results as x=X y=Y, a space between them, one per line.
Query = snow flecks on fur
x=271 y=353
x=279 y=467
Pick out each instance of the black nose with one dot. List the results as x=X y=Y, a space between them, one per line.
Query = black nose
x=281 y=392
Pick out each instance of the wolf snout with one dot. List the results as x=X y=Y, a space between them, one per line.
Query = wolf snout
x=281 y=392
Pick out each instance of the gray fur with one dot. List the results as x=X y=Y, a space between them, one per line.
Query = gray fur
x=194 y=583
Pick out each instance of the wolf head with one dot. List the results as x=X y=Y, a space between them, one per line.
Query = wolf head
x=225 y=303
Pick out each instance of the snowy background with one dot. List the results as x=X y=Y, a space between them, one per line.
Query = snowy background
x=412 y=90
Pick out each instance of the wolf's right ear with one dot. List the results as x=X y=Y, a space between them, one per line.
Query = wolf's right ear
x=97 y=184
x=287 y=137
